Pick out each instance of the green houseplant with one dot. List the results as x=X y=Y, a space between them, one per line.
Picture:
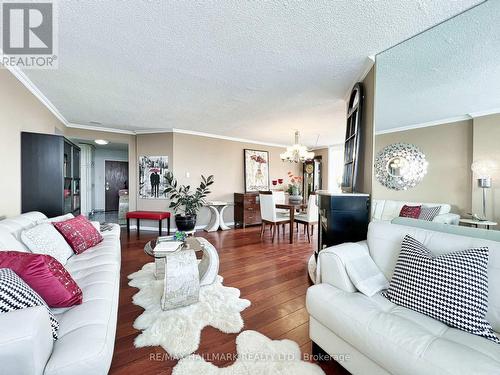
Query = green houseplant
x=186 y=203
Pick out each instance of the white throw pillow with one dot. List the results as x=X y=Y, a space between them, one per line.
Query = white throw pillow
x=9 y=242
x=365 y=275
x=45 y=239
x=56 y=219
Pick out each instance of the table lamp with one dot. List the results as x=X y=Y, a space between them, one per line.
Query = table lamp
x=483 y=169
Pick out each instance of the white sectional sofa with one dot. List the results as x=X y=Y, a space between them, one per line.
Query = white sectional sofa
x=86 y=332
x=375 y=336
x=386 y=210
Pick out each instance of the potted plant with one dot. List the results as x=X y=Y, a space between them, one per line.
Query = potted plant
x=186 y=203
x=294 y=188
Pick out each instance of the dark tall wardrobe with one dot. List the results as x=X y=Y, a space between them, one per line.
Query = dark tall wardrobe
x=50 y=174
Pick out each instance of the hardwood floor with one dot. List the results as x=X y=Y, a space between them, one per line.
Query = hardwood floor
x=272 y=276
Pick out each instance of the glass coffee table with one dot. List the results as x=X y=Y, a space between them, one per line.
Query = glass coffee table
x=179 y=270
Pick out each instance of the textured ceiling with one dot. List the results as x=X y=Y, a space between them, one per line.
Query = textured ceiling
x=247 y=69
x=447 y=72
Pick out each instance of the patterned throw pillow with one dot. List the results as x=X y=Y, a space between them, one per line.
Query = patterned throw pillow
x=79 y=233
x=429 y=213
x=45 y=275
x=451 y=288
x=15 y=294
x=410 y=211
x=45 y=239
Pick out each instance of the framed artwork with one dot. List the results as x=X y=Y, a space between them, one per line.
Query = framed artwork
x=152 y=171
x=256 y=170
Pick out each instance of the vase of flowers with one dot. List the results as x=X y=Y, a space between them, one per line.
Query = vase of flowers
x=186 y=203
x=294 y=188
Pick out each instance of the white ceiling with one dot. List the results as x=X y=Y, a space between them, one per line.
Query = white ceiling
x=246 y=69
x=446 y=73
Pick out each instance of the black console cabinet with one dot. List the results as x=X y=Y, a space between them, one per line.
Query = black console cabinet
x=50 y=174
x=342 y=218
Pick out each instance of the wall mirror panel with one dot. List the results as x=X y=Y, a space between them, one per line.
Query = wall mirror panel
x=440 y=92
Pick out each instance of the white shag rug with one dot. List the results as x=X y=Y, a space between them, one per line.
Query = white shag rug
x=257 y=354
x=178 y=331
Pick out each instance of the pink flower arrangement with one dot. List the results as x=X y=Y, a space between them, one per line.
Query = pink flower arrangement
x=294 y=180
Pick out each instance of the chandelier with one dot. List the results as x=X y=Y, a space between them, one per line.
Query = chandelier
x=296 y=153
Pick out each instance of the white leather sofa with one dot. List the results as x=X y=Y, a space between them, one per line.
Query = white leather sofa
x=375 y=336
x=386 y=210
x=86 y=332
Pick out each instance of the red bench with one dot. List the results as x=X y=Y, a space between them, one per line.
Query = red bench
x=148 y=215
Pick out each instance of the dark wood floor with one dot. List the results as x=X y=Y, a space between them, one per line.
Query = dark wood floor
x=272 y=276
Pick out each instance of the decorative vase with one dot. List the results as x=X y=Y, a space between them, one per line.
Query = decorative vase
x=185 y=223
x=295 y=196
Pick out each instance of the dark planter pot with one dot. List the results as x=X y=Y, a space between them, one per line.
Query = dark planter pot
x=185 y=223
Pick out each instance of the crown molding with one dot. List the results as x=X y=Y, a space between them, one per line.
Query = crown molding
x=494 y=111
x=425 y=124
x=155 y=131
x=74 y=125
x=234 y=139
x=23 y=78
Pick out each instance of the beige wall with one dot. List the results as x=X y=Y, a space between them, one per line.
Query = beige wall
x=365 y=165
x=159 y=144
x=224 y=159
x=21 y=111
x=448 y=149
x=323 y=152
x=486 y=146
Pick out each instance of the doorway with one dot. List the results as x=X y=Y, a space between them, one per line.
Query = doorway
x=116 y=179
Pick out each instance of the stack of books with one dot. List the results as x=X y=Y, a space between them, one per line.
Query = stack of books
x=168 y=246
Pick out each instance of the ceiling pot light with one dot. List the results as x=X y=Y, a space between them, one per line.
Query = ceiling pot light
x=101 y=142
x=296 y=153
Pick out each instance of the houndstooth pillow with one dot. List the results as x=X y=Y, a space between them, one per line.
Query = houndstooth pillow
x=451 y=288
x=429 y=213
x=15 y=294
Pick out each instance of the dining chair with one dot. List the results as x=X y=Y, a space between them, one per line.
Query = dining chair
x=310 y=217
x=269 y=214
x=280 y=198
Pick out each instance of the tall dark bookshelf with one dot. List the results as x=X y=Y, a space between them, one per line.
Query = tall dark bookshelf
x=50 y=174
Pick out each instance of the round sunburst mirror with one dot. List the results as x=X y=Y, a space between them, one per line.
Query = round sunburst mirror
x=400 y=166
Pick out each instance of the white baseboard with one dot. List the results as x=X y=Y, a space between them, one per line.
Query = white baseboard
x=173 y=229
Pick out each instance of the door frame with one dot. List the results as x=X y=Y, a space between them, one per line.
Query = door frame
x=128 y=172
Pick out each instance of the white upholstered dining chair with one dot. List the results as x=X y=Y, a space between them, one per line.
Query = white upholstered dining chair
x=310 y=217
x=269 y=214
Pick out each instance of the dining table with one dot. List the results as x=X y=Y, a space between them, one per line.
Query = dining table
x=292 y=206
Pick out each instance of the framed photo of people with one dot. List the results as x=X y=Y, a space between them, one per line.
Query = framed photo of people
x=152 y=171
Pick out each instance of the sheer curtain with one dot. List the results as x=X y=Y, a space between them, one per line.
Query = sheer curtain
x=86 y=174
x=335 y=166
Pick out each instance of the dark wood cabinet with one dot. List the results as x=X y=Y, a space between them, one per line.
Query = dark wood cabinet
x=246 y=209
x=342 y=218
x=50 y=174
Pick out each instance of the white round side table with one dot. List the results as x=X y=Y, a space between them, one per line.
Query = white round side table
x=217 y=209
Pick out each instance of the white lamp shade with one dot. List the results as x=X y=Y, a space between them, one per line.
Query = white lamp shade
x=484 y=168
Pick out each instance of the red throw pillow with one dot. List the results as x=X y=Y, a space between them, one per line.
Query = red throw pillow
x=79 y=233
x=45 y=275
x=410 y=211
